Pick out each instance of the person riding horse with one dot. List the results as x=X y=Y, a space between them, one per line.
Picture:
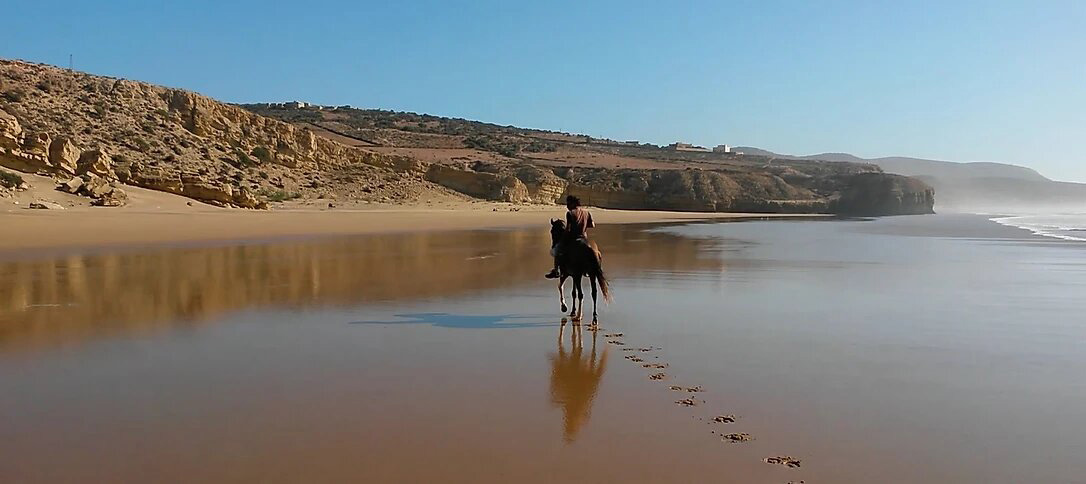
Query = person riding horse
x=578 y=221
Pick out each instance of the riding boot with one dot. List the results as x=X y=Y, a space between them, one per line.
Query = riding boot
x=554 y=273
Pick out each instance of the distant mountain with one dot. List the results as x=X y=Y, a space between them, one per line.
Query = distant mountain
x=971 y=187
x=920 y=167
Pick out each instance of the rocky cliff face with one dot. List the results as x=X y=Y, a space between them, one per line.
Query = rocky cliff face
x=62 y=123
x=871 y=193
x=884 y=194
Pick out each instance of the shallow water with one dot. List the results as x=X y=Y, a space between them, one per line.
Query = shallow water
x=911 y=349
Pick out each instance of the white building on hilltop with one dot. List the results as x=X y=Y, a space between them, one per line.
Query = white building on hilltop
x=722 y=149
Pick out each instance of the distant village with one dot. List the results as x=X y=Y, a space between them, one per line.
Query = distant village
x=301 y=105
x=677 y=146
x=680 y=146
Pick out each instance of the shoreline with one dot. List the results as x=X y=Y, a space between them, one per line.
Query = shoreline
x=83 y=228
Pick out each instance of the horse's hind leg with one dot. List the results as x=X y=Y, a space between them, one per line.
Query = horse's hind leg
x=562 y=292
x=580 y=299
x=593 y=279
x=572 y=297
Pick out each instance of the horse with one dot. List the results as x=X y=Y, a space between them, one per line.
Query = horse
x=576 y=260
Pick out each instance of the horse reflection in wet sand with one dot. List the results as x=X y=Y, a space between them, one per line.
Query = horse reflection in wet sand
x=576 y=260
x=575 y=379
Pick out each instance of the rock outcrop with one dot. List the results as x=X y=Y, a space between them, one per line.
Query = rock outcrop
x=115 y=197
x=502 y=187
x=870 y=194
x=96 y=162
x=46 y=205
x=64 y=154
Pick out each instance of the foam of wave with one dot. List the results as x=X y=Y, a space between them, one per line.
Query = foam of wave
x=1064 y=227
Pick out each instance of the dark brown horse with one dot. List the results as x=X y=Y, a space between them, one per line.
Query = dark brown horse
x=577 y=259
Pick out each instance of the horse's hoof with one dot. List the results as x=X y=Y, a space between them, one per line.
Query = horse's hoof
x=564 y=308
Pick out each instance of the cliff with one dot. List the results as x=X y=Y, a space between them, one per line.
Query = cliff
x=55 y=121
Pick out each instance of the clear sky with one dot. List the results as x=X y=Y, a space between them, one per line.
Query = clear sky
x=987 y=80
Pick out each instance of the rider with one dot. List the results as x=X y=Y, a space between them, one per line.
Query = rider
x=578 y=221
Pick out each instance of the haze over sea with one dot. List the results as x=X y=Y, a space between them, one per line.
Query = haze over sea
x=939 y=348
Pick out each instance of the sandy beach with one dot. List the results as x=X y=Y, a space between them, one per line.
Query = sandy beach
x=160 y=218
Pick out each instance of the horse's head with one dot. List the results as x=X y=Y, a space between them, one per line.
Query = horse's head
x=558 y=230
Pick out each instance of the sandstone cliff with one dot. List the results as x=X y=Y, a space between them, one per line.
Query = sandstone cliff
x=65 y=123
x=872 y=193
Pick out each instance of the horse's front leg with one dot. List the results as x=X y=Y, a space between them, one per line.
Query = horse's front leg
x=562 y=292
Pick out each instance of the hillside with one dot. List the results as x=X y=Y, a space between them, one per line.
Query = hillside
x=96 y=135
x=971 y=186
x=63 y=123
x=519 y=164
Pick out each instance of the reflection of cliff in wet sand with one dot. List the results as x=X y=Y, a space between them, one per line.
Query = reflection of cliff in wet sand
x=61 y=301
x=575 y=378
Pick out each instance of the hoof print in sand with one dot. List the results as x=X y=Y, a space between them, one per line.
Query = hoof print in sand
x=687 y=402
x=613 y=335
x=616 y=342
x=647 y=349
x=677 y=388
x=725 y=419
x=655 y=365
x=783 y=460
x=629 y=349
x=634 y=358
x=738 y=438
x=657 y=376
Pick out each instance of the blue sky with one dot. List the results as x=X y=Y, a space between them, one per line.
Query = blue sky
x=968 y=80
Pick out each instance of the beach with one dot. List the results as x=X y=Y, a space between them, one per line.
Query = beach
x=155 y=218
x=901 y=349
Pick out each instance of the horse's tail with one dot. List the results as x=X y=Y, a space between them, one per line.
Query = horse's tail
x=597 y=270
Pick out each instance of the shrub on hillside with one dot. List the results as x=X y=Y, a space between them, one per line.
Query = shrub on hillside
x=10 y=180
x=279 y=195
x=261 y=153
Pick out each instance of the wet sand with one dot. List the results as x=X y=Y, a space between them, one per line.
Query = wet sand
x=917 y=349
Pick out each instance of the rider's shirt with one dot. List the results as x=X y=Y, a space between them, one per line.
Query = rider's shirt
x=579 y=221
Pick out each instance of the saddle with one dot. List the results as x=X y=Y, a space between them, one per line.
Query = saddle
x=591 y=244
